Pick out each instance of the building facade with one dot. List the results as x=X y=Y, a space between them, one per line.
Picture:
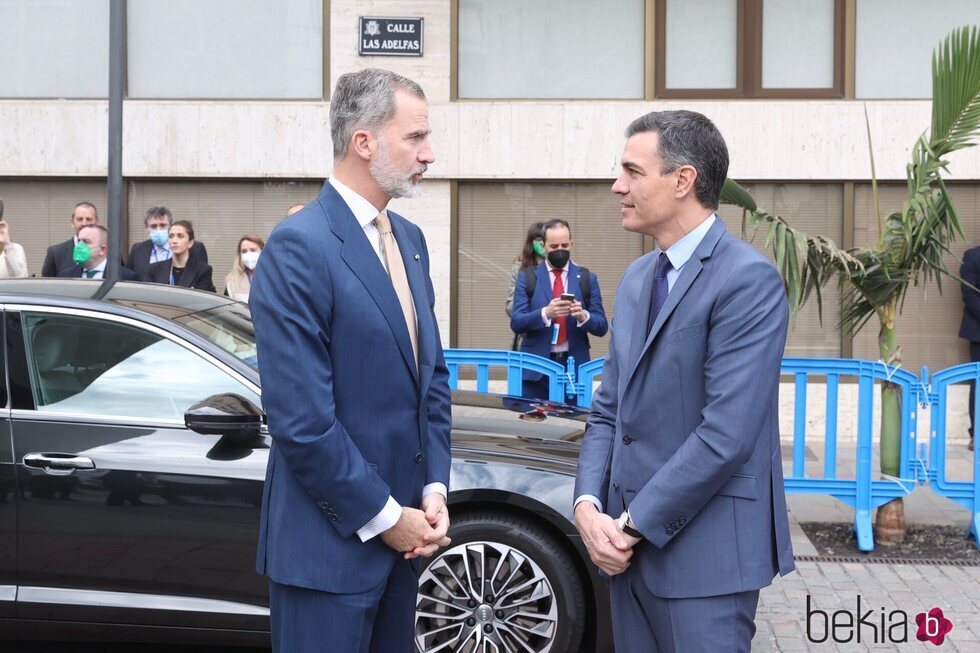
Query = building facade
x=226 y=123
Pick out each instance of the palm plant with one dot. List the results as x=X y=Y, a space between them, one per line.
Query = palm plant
x=911 y=242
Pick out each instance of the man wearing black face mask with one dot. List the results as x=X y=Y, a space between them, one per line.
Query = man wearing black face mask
x=554 y=327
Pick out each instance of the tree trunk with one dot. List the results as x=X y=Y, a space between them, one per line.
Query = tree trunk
x=890 y=519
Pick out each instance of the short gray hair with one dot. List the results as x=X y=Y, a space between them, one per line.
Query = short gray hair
x=158 y=212
x=689 y=138
x=365 y=100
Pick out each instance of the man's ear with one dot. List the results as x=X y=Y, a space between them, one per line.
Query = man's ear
x=686 y=176
x=363 y=144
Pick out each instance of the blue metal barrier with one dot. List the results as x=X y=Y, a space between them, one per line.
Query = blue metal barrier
x=966 y=493
x=863 y=492
x=515 y=362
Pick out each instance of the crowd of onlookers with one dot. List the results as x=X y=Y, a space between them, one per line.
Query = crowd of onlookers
x=170 y=254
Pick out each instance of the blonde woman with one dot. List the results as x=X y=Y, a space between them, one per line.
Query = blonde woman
x=239 y=280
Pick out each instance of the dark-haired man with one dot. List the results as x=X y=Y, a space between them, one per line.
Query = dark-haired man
x=679 y=486
x=59 y=257
x=565 y=306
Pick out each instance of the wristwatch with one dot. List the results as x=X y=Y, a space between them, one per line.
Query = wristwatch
x=624 y=525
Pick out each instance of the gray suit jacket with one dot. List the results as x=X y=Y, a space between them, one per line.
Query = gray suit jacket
x=684 y=428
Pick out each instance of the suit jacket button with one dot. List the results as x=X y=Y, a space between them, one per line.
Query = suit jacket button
x=419 y=457
x=324 y=505
x=627 y=439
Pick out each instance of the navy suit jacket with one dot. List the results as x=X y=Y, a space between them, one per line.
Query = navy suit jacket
x=139 y=256
x=684 y=429
x=58 y=258
x=352 y=418
x=75 y=272
x=525 y=316
x=970 y=272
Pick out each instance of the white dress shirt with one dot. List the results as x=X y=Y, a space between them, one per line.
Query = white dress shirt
x=160 y=252
x=99 y=270
x=564 y=284
x=365 y=213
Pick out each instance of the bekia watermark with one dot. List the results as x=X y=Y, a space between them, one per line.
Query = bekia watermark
x=874 y=626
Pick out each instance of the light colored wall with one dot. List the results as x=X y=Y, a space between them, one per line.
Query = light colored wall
x=785 y=140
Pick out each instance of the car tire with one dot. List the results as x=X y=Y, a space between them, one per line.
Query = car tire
x=535 y=601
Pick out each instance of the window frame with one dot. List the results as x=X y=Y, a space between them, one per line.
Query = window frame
x=36 y=414
x=748 y=71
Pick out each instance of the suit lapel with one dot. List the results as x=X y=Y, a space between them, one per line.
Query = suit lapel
x=688 y=274
x=363 y=261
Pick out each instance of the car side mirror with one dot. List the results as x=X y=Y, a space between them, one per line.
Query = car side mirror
x=231 y=416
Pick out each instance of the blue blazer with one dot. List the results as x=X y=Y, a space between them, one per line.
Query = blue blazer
x=684 y=429
x=525 y=316
x=352 y=419
x=970 y=272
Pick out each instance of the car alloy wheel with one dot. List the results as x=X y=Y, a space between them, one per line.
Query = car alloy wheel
x=490 y=595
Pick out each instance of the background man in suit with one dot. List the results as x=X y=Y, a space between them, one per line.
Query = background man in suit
x=553 y=327
x=970 y=325
x=679 y=488
x=156 y=247
x=59 y=257
x=355 y=387
x=90 y=256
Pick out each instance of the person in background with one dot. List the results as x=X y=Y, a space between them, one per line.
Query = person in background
x=59 y=257
x=295 y=208
x=239 y=280
x=182 y=269
x=13 y=260
x=532 y=254
x=156 y=247
x=970 y=325
x=557 y=306
x=89 y=256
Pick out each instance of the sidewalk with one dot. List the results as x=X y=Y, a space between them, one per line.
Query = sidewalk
x=781 y=618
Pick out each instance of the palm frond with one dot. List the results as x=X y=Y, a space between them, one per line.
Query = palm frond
x=955 y=92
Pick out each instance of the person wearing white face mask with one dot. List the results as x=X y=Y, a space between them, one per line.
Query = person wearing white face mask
x=239 y=280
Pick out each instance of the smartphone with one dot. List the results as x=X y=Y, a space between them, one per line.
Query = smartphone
x=567 y=297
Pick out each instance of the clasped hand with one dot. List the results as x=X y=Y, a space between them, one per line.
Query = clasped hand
x=420 y=532
x=609 y=548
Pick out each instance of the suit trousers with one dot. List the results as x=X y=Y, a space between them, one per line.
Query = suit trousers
x=379 y=621
x=645 y=623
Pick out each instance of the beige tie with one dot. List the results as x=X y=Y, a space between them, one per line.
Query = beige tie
x=399 y=279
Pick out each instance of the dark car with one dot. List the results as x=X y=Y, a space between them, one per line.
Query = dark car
x=131 y=470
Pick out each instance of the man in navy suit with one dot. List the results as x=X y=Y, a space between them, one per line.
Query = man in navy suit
x=355 y=387
x=59 y=257
x=555 y=327
x=90 y=256
x=679 y=492
x=970 y=325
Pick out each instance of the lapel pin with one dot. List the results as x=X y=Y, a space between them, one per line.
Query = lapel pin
x=418 y=258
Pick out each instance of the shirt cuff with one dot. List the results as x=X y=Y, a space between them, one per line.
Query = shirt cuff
x=544 y=316
x=436 y=487
x=588 y=497
x=587 y=316
x=381 y=522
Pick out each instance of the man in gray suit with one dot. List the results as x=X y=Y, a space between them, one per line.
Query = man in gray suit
x=679 y=495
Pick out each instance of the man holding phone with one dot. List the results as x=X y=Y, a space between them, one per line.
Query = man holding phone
x=556 y=306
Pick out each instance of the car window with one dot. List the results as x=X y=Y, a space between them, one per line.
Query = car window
x=230 y=327
x=84 y=365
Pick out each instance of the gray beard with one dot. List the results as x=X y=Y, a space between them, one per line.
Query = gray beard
x=392 y=181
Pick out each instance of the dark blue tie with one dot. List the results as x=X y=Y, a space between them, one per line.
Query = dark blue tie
x=660 y=287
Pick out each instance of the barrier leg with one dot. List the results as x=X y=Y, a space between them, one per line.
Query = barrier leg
x=864 y=531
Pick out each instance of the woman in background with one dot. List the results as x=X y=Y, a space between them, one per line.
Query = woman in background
x=531 y=255
x=181 y=269
x=239 y=280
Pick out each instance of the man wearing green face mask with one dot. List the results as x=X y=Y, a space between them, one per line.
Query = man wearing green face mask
x=90 y=256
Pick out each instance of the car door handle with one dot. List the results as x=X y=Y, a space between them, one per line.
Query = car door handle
x=58 y=464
